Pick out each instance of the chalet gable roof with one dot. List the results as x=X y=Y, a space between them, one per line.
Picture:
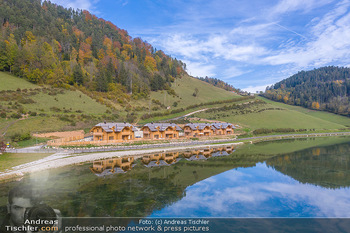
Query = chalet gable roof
x=222 y=125
x=118 y=127
x=199 y=126
x=161 y=126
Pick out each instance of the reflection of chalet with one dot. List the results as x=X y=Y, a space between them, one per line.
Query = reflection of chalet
x=223 y=128
x=196 y=157
x=207 y=152
x=202 y=154
x=160 y=131
x=113 y=131
x=112 y=166
x=198 y=130
x=156 y=160
x=171 y=158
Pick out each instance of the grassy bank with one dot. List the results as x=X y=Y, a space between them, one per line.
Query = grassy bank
x=270 y=147
x=9 y=160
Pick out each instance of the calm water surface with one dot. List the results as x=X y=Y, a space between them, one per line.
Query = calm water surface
x=262 y=180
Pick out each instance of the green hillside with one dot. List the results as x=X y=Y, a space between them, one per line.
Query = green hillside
x=10 y=82
x=27 y=108
x=185 y=87
x=263 y=113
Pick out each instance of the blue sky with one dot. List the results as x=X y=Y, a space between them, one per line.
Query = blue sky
x=249 y=44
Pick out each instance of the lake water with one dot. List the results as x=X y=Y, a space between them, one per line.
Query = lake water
x=290 y=178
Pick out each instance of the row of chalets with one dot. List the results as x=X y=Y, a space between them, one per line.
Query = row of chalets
x=125 y=131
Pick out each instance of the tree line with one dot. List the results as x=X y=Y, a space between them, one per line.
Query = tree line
x=326 y=88
x=219 y=83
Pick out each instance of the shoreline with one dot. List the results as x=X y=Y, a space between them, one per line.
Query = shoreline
x=62 y=159
x=65 y=159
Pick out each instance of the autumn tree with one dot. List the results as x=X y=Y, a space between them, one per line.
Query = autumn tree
x=11 y=51
x=315 y=105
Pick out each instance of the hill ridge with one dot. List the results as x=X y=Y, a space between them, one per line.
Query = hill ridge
x=326 y=88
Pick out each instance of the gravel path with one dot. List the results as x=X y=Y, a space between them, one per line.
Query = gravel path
x=64 y=159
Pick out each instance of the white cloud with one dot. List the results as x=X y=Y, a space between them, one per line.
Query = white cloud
x=198 y=69
x=331 y=42
x=296 y=5
x=254 y=89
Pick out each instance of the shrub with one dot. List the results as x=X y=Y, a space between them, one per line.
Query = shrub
x=16 y=115
x=17 y=137
x=55 y=109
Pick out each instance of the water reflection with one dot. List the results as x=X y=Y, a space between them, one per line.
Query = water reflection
x=206 y=153
x=258 y=192
x=124 y=164
x=112 y=166
x=309 y=183
x=160 y=159
x=324 y=166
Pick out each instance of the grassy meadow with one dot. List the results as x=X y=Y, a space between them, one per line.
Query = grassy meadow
x=55 y=109
x=185 y=87
x=10 y=82
x=272 y=115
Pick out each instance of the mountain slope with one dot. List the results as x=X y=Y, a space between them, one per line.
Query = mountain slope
x=326 y=88
x=48 y=44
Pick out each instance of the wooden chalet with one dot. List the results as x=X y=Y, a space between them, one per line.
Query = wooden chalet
x=161 y=131
x=223 y=128
x=198 y=130
x=113 y=131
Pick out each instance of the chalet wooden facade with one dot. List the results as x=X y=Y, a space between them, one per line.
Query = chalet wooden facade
x=198 y=130
x=113 y=131
x=161 y=131
x=223 y=128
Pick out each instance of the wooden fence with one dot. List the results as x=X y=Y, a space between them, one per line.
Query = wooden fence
x=61 y=141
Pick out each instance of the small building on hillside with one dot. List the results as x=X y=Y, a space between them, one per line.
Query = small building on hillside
x=198 y=130
x=161 y=131
x=113 y=131
x=223 y=128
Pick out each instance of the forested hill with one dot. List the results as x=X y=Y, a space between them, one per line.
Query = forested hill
x=47 y=43
x=326 y=88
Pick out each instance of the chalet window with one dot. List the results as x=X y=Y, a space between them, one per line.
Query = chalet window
x=111 y=138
